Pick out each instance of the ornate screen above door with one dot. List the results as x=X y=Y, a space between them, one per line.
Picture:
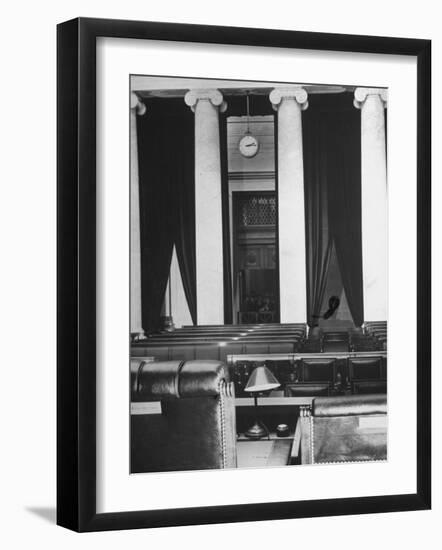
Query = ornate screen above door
x=256 y=210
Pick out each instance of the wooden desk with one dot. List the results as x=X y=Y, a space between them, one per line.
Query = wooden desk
x=154 y=407
x=263 y=453
x=274 y=401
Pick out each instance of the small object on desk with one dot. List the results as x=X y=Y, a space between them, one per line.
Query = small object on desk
x=282 y=430
x=261 y=380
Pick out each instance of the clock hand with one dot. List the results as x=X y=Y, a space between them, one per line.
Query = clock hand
x=250 y=145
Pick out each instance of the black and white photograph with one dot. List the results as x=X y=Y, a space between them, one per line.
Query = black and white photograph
x=220 y=275
x=258 y=274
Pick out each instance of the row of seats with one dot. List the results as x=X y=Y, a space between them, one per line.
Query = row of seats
x=257 y=326
x=319 y=376
x=186 y=351
x=226 y=331
x=378 y=331
x=227 y=336
x=217 y=342
x=342 y=341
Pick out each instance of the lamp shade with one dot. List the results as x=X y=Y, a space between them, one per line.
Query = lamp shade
x=261 y=379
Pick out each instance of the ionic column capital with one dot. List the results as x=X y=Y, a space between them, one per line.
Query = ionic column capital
x=214 y=96
x=361 y=95
x=136 y=104
x=297 y=93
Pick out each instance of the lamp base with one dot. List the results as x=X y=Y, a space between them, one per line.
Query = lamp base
x=257 y=431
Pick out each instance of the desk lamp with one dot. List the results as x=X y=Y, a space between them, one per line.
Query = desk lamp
x=261 y=380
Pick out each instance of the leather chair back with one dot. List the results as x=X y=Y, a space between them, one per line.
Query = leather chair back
x=370 y=386
x=307 y=390
x=196 y=428
x=365 y=368
x=313 y=345
x=318 y=370
x=351 y=428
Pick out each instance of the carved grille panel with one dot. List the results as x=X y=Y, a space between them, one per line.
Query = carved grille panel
x=257 y=210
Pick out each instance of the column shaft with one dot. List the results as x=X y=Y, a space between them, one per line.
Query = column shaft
x=135 y=248
x=373 y=202
x=291 y=216
x=208 y=208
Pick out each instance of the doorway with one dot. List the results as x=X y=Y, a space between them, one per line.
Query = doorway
x=255 y=257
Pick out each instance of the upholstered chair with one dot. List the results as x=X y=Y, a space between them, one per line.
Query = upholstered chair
x=188 y=421
x=351 y=428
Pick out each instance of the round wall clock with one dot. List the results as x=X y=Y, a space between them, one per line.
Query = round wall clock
x=248 y=146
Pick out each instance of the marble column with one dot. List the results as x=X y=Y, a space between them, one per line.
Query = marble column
x=136 y=328
x=289 y=102
x=372 y=102
x=206 y=105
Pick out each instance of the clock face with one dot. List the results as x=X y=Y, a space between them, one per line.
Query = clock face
x=248 y=146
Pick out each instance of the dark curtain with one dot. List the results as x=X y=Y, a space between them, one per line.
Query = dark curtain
x=167 y=217
x=318 y=239
x=185 y=196
x=345 y=204
x=332 y=175
x=227 y=266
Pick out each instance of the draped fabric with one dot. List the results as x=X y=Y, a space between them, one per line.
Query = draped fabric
x=318 y=239
x=345 y=206
x=332 y=179
x=167 y=203
x=227 y=266
x=185 y=227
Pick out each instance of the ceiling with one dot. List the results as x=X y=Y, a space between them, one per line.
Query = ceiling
x=148 y=86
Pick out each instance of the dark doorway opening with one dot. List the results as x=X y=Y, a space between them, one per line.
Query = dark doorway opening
x=255 y=257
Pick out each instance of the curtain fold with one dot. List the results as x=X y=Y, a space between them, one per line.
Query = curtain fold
x=227 y=264
x=318 y=238
x=185 y=197
x=167 y=205
x=344 y=205
x=332 y=180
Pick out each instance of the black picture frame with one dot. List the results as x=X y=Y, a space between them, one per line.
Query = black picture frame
x=76 y=273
